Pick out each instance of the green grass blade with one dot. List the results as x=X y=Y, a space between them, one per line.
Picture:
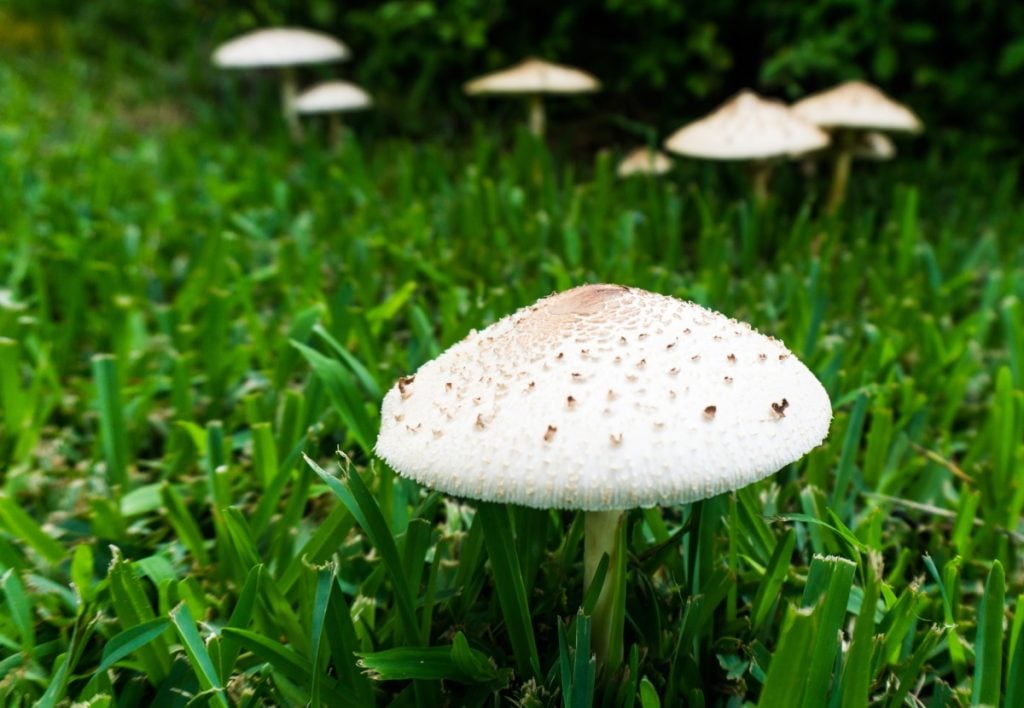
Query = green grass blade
x=199 y=658
x=20 y=525
x=112 y=426
x=361 y=504
x=988 y=646
x=131 y=640
x=508 y=582
x=784 y=686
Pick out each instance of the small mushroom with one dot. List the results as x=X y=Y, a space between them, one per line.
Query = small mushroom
x=752 y=129
x=644 y=161
x=333 y=98
x=534 y=78
x=848 y=111
x=281 y=48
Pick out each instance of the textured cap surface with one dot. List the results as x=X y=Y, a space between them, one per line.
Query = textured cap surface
x=856 y=104
x=747 y=127
x=644 y=161
x=534 y=76
x=280 y=46
x=333 y=96
x=604 y=397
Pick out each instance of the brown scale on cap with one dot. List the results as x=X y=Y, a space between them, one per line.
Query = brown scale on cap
x=710 y=411
x=404 y=382
x=448 y=386
x=616 y=440
x=570 y=402
x=731 y=358
x=728 y=379
x=480 y=425
x=550 y=434
x=780 y=408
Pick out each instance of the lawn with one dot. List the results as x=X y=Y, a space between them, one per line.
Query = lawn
x=187 y=310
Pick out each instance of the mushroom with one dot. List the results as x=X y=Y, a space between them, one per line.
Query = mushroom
x=748 y=127
x=848 y=111
x=534 y=78
x=604 y=398
x=281 y=48
x=874 y=146
x=644 y=161
x=333 y=97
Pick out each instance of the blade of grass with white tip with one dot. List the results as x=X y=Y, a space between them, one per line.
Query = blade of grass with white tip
x=988 y=645
x=911 y=671
x=199 y=659
x=783 y=686
x=361 y=504
x=508 y=581
x=828 y=590
x=324 y=582
x=132 y=608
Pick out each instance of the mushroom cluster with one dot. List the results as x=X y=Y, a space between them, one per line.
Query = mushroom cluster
x=853 y=111
x=752 y=129
x=285 y=49
x=604 y=398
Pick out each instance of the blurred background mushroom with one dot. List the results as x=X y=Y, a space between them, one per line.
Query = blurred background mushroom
x=333 y=98
x=752 y=129
x=848 y=111
x=644 y=161
x=534 y=78
x=281 y=48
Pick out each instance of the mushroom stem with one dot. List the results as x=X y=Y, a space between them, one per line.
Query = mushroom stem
x=289 y=90
x=760 y=173
x=603 y=533
x=335 y=129
x=536 y=115
x=840 y=170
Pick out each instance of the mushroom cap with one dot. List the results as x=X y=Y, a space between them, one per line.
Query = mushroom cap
x=747 y=127
x=874 y=146
x=603 y=397
x=644 y=161
x=532 y=76
x=856 y=104
x=333 y=97
x=279 y=46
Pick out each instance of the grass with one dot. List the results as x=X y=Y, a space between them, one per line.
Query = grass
x=187 y=313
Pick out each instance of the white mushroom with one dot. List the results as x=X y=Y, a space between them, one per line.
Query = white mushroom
x=281 y=48
x=333 y=98
x=749 y=128
x=644 y=161
x=848 y=110
x=604 y=398
x=534 y=78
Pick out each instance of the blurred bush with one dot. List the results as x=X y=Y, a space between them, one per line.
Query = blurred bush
x=958 y=62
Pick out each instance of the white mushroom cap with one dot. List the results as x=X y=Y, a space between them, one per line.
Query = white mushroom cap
x=874 y=146
x=532 y=76
x=280 y=46
x=644 y=161
x=747 y=127
x=604 y=397
x=332 y=97
x=856 y=104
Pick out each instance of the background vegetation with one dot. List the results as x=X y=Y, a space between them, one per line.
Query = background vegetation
x=189 y=303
